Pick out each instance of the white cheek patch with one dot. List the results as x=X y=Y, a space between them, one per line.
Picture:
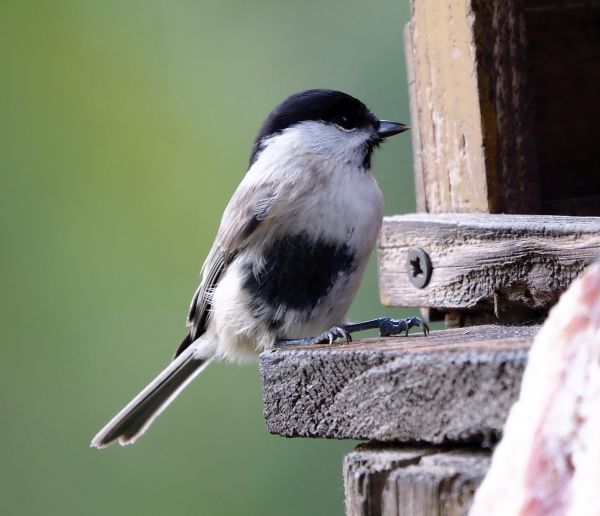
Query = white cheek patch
x=328 y=141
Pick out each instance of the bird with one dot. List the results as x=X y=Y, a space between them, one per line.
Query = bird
x=290 y=250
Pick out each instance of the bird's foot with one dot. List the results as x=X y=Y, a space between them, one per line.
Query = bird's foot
x=386 y=326
x=326 y=337
x=389 y=326
x=330 y=335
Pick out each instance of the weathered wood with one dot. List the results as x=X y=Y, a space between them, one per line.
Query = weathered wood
x=441 y=484
x=452 y=386
x=366 y=471
x=509 y=266
x=504 y=105
x=415 y=133
x=391 y=480
x=472 y=107
x=447 y=100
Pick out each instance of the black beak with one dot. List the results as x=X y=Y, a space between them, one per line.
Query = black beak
x=389 y=128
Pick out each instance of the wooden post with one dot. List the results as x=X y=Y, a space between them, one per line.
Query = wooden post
x=468 y=75
x=505 y=106
x=412 y=481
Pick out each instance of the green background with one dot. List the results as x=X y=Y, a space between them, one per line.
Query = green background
x=124 y=128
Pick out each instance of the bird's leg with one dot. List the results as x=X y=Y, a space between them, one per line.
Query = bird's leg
x=326 y=337
x=386 y=326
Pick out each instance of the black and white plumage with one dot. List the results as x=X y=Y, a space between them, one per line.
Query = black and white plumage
x=290 y=251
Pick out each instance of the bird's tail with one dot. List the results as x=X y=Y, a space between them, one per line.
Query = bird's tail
x=142 y=410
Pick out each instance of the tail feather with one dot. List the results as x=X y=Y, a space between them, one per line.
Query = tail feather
x=141 y=411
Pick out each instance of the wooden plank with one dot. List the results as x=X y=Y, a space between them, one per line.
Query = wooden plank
x=447 y=100
x=440 y=484
x=424 y=481
x=472 y=106
x=507 y=265
x=366 y=471
x=452 y=386
x=415 y=132
x=507 y=105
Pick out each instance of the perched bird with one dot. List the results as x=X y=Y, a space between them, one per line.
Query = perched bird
x=290 y=251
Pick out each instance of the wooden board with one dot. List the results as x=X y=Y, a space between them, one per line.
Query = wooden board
x=412 y=481
x=415 y=131
x=452 y=386
x=504 y=264
x=366 y=471
x=445 y=93
x=471 y=107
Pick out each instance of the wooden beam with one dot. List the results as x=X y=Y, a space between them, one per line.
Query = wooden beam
x=447 y=100
x=452 y=386
x=366 y=471
x=415 y=132
x=396 y=481
x=500 y=263
x=439 y=483
x=471 y=107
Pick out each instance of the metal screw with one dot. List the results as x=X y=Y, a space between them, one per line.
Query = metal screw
x=418 y=267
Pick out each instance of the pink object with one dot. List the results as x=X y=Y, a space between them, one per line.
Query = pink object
x=548 y=462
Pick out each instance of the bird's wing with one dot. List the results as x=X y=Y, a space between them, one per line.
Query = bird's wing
x=249 y=207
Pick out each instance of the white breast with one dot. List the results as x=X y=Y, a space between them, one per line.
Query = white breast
x=326 y=189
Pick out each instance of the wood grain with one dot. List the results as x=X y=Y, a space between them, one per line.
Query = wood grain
x=415 y=132
x=447 y=112
x=366 y=471
x=440 y=484
x=504 y=105
x=498 y=263
x=500 y=38
x=472 y=107
x=452 y=386
x=392 y=480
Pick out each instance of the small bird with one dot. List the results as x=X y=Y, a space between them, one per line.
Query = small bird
x=290 y=252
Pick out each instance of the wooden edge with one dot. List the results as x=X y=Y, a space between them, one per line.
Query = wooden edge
x=415 y=130
x=453 y=386
x=455 y=339
x=515 y=223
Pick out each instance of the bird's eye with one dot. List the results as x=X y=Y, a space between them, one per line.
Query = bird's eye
x=345 y=122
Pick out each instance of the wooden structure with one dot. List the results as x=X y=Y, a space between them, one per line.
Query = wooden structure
x=485 y=268
x=504 y=107
x=392 y=480
x=438 y=389
x=505 y=103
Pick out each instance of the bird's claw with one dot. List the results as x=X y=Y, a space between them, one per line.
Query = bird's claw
x=391 y=326
x=332 y=334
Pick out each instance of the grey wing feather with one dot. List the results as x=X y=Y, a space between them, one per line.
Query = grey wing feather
x=245 y=212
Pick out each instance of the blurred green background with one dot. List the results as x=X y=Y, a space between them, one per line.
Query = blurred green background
x=124 y=128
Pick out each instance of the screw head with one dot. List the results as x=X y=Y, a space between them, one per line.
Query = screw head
x=418 y=267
